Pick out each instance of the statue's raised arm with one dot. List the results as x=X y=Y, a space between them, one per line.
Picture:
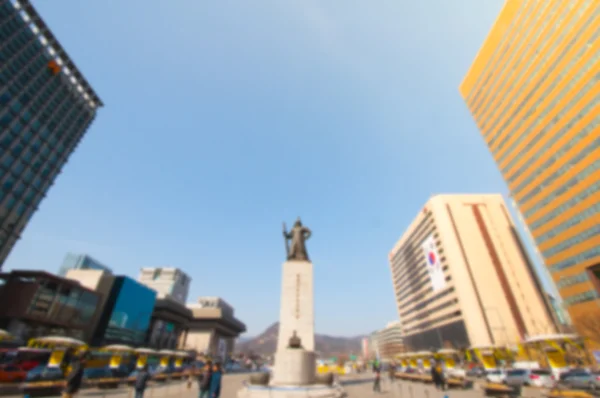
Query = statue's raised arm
x=298 y=235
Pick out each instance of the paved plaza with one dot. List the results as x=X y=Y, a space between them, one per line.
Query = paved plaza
x=355 y=386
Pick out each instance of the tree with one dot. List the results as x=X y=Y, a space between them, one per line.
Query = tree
x=588 y=326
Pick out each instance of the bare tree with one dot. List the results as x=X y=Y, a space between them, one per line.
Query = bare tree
x=588 y=326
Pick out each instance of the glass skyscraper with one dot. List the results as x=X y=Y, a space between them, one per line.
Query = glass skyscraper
x=534 y=92
x=46 y=106
x=80 y=261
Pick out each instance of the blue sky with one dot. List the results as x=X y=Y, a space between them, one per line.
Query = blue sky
x=225 y=118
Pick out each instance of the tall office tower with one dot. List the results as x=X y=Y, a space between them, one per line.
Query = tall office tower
x=80 y=261
x=462 y=278
x=168 y=282
x=46 y=106
x=534 y=93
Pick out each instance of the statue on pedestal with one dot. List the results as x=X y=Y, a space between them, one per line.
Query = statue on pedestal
x=295 y=341
x=298 y=235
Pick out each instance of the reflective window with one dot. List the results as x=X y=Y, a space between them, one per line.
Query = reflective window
x=132 y=312
x=571 y=222
x=489 y=70
x=10 y=202
x=570 y=184
x=573 y=241
x=8 y=160
x=518 y=65
x=21 y=209
x=572 y=280
x=579 y=258
x=586 y=193
x=559 y=155
x=542 y=64
x=540 y=133
x=581 y=297
x=28 y=176
x=19 y=167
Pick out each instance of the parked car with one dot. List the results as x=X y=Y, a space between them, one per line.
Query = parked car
x=495 y=376
x=458 y=373
x=12 y=374
x=476 y=372
x=581 y=379
x=529 y=377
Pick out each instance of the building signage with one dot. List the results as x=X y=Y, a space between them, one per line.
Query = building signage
x=434 y=266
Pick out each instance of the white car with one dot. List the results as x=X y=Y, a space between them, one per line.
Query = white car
x=495 y=376
x=457 y=373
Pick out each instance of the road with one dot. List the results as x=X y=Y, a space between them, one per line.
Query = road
x=355 y=386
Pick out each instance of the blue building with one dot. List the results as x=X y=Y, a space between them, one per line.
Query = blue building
x=80 y=261
x=46 y=106
x=126 y=315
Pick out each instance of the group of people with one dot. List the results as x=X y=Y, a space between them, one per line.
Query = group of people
x=437 y=375
x=209 y=380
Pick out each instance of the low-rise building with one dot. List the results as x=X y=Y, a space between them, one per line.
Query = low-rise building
x=169 y=325
x=43 y=304
x=213 y=328
x=167 y=282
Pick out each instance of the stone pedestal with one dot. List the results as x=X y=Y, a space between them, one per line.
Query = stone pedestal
x=295 y=367
x=297 y=312
x=294 y=373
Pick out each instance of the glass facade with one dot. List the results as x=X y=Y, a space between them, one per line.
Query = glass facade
x=128 y=314
x=45 y=108
x=164 y=335
x=43 y=304
x=534 y=92
x=80 y=261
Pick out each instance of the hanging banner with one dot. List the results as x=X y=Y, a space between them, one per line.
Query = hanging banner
x=434 y=266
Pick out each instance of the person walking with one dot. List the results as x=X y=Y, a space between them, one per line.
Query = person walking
x=190 y=373
x=215 y=381
x=377 y=382
x=204 y=381
x=392 y=372
x=75 y=377
x=437 y=376
x=141 y=382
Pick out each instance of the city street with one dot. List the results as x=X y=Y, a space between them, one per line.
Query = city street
x=355 y=386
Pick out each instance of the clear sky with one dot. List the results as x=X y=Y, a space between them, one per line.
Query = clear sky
x=225 y=118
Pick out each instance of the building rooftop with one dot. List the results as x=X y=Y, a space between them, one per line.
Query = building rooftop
x=56 y=50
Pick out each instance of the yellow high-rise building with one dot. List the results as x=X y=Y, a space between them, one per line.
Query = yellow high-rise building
x=534 y=93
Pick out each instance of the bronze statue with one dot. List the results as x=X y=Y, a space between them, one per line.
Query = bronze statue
x=295 y=341
x=298 y=235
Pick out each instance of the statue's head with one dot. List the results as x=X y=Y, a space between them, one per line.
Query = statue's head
x=298 y=223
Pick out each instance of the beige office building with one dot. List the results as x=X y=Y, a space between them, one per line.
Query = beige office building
x=462 y=277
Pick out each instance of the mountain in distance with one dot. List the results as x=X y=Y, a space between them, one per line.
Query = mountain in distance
x=266 y=343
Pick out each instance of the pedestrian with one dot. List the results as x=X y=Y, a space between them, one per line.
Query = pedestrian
x=377 y=382
x=190 y=374
x=204 y=380
x=215 y=381
x=141 y=381
x=437 y=376
x=392 y=372
x=75 y=377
